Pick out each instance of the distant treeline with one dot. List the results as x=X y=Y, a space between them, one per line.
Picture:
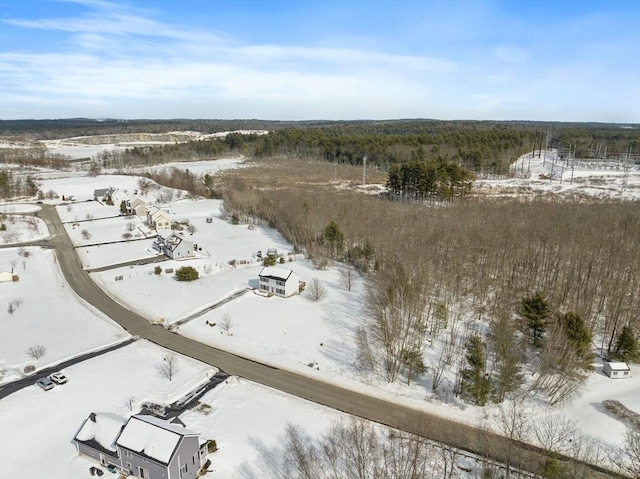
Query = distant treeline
x=480 y=146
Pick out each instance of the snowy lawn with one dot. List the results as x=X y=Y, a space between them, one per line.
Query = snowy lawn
x=210 y=167
x=19 y=229
x=107 y=230
x=45 y=312
x=295 y=333
x=245 y=415
x=103 y=384
x=108 y=254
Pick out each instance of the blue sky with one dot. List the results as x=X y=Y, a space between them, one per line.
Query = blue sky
x=558 y=60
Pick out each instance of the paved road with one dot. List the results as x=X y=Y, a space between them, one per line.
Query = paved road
x=14 y=386
x=405 y=418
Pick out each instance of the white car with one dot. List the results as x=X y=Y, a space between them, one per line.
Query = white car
x=58 y=378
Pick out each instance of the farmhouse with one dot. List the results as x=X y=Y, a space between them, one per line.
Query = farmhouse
x=143 y=446
x=279 y=281
x=616 y=370
x=174 y=245
x=158 y=219
x=105 y=194
x=137 y=206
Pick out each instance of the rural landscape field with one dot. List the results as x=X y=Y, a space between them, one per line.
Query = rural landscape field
x=234 y=288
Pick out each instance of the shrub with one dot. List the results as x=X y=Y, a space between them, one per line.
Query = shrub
x=234 y=219
x=3 y=227
x=269 y=261
x=157 y=270
x=212 y=446
x=281 y=259
x=186 y=273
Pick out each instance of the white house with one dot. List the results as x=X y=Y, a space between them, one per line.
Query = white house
x=174 y=245
x=158 y=219
x=279 y=281
x=616 y=370
x=114 y=194
x=143 y=446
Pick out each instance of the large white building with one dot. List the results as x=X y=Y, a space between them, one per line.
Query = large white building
x=279 y=281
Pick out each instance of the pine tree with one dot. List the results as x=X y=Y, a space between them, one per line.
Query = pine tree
x=627 y=345
x=535 y=311
x=123 y=207
x=508 y=355
x=475 y=383
x=412 y=359
x=580 y=337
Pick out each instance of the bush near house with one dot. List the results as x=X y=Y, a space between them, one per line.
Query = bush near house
x=186 y=273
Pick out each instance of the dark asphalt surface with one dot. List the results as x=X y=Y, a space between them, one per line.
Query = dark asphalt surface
x=472 y=439
x=14 y=386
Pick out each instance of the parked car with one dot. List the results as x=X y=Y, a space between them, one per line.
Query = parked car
x=45 y=383
x=58 y=378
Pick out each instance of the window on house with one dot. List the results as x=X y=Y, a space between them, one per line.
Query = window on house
x=127 y=453
x=143 y=473
x=280 y=283
x=280 y=291
x=183 y=470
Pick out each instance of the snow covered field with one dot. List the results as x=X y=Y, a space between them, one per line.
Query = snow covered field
x=102 y=384
x=50 y=314
x=19 y=229
x=602 y=180
x=314 y=338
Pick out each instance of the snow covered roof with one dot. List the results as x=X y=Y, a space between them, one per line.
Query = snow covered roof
x=165 y=233
x=275 y=273
x=618 y=366
x=153 y=437
x=103 y=428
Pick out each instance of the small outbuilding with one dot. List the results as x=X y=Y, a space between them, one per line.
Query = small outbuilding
x=616 y=370
x=6 y=277
x=279 y=281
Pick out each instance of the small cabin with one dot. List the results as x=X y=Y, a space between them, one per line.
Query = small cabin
x=616 y=370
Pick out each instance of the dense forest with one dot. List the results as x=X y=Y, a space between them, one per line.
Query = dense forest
x=484 y=147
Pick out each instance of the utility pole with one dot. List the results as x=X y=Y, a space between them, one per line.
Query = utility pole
x=364 y=170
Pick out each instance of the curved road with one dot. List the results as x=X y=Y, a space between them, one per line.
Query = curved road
x=472 y=439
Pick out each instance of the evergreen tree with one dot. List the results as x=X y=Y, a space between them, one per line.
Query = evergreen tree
x=508 y=355
x=535 y=311
x=334 y=237
x=627 y=345
x=412 y=359
x=475 y=383
x=580 y=337
x=123 y=207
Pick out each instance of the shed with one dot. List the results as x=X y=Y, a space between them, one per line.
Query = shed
x=6 y=277
x=616 y=370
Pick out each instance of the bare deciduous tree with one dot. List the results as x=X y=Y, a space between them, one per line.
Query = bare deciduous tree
x=629 y=460
x=347 y=274
x=192 y=229
x=226 y=323
x=131 y=225
x=316 y=289
x=130 y=402
x=85 y=234
x=554 y=433
x=168 y=368
x=11 y=309
x=36 y=352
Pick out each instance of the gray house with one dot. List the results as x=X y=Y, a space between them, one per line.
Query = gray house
x=174 y=245
x=98 y=435
x=143 y=446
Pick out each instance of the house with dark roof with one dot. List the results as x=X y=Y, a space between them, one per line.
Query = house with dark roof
x=174 y=245
x=279 y=281
x=142 y=446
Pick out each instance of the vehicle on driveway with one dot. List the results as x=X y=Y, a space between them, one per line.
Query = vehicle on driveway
x=58 y=378
x=45 y=383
